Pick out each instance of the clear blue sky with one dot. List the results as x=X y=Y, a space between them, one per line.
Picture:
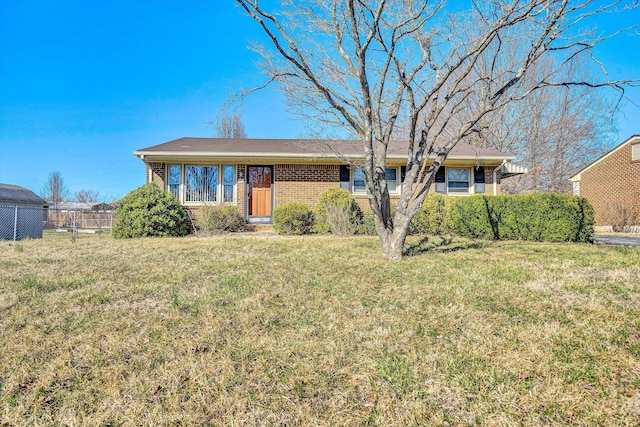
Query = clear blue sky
x=85 y=83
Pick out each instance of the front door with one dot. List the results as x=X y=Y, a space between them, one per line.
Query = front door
x=259 y=182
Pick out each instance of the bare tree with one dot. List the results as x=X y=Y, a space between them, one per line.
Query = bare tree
x=87 y=197
x=55 y=190
x=230 y=127
x=372 y=65
x=554 y=132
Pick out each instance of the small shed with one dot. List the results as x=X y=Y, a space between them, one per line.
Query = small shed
x=22 y=213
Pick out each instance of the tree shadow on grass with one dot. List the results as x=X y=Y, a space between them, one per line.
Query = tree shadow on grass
x=444 y=244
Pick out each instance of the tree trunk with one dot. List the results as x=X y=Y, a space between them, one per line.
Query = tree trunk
x=393 y=239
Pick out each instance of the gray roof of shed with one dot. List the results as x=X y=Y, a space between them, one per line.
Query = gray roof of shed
x=10 y=193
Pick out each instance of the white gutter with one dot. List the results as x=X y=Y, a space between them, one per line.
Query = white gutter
x=310 y=156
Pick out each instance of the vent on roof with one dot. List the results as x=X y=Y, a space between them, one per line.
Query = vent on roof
x=635 y=151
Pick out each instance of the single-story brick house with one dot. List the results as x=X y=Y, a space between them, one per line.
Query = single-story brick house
x=612 y=182
x=258 y=174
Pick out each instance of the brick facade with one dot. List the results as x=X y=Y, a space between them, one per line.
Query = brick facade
x=612 y=180
x=294 y=183
x=304 y=182
x=156 y=173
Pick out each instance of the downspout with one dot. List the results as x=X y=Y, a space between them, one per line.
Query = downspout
x=495 y=177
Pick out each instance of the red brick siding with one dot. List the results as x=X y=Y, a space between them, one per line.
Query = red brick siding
x=614 y=179
x=156 y=172
x=304 y=183
x=241 y=187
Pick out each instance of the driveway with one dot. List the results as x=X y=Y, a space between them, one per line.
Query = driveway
x=612 y=239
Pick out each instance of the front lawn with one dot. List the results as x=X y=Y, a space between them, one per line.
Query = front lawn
x=270 y=330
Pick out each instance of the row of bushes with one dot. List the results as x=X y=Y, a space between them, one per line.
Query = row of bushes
x=537 y=217
x=149 y=211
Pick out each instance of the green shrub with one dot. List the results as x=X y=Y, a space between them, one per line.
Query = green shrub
x=218 y=218
x=473 y=217
x=336 y=212
x=292 y=218
x=150 y=211
x=432 y=218
x=539 y=217
x=366 y=224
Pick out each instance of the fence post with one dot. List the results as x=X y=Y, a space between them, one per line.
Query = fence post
x=15 y=225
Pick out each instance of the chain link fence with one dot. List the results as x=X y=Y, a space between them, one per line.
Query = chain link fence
x=82 y=221
x=19 y=222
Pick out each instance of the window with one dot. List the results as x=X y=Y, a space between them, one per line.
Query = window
x=229 y=180
x=201 y=183
x=196 y=184
x=458 y=180
x=576 y=188
x=391 y=175
x=358 y=181
x=635 y=152
x=174 y=180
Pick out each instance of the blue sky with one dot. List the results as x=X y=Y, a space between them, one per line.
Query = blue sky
x=85 y=83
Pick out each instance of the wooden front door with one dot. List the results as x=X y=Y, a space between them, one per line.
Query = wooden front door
x=259 y=183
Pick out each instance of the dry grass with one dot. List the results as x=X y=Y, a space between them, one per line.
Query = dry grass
x=231 y=330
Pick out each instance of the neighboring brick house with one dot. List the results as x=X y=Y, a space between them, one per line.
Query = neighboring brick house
x=258 y=174
x=612 y=183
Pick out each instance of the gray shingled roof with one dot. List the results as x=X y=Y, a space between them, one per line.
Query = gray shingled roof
x=10 y=193
x=212 y=147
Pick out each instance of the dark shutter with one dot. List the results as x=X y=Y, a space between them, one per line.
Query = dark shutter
x=480 y=175
x=344 y=177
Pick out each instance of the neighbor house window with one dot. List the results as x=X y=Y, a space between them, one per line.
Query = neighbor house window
x=458 y=180
x=175 y=177
x=576 y=188
x=391 y=175
x=635 y=152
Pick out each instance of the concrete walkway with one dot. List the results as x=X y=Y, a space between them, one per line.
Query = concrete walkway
x=612 y=239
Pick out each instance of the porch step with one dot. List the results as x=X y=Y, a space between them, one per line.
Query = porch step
x=259 y=227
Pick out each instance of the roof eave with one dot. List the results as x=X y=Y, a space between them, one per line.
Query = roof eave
x=181 y=155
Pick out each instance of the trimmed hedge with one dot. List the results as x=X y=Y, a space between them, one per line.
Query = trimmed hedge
x=432 y=218
x=149 y=211
x=292 y=218
x=539 y=217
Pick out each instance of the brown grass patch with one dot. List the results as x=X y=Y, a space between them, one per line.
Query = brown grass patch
x=317 y=330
